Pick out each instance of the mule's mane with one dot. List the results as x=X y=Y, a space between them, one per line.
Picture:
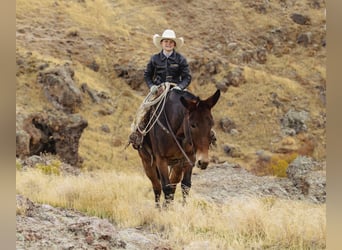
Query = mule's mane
x=187 y=95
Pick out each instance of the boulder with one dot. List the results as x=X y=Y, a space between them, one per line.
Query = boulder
x=309 y=177
x=293 y=122
x=59 y=88
x=55 y=133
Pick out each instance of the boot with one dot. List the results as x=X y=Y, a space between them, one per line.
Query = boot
x=136 y=139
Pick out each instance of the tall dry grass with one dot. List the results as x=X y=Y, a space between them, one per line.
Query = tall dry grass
x=127 y=200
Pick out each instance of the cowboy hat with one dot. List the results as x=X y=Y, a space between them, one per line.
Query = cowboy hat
x=168 y=34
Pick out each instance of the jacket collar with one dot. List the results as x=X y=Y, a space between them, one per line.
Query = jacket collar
x=163 y=57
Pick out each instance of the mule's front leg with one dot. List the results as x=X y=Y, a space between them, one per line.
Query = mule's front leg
x=168 y=188
x=169 y=192
x=157 y=193
x=186 y=182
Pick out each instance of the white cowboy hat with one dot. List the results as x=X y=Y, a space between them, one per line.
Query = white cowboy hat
x=168 y=34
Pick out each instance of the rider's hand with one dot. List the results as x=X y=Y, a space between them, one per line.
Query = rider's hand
x=154 y=89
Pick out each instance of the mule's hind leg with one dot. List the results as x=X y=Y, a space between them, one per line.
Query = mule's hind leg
x=152 y=173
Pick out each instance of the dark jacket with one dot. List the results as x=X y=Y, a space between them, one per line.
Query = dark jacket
x=174 y=69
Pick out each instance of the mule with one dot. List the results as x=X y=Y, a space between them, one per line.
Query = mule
x=178 y=141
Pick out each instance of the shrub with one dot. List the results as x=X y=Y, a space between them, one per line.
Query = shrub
x=52 y=169
x=18 y=165
x=279 y=164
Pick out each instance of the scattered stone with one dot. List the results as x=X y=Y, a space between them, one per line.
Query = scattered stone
x=232 y=46
x=300 y=19
x=227 y=124
x=105 y=128
x=232 y=150
x=91 y=93
x=235 y=77
x=94 y=66
x=222 y=86
x=304 y=39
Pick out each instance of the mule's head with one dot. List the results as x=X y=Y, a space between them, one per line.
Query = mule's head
x=200 y=122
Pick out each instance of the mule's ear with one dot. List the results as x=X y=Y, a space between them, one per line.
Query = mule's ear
x=211 y=101
x=188 y=104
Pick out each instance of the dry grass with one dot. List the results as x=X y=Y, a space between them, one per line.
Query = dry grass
x=127 y=200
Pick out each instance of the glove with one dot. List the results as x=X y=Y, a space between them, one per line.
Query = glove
x=177 y=87
x=154 y=89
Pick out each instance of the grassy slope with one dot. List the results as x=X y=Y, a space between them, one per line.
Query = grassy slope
x=121 y=32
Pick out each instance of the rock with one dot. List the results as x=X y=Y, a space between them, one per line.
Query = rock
x=105 y=128
x=261 y=56
x=24 y=206
x=59 y=88
x=91 y=93
x=232 y=150
x=47 y=227
x=287 y=145
x=235 y=77
x=229 y=182
x=247 y=56
x=53 y=132
x=222 y=86
x=232 y=46
x=94 y=66
x=227 y=124
x=304 y=38
x=300 y=19
x=294 y=121
x=133 y=76
x=305 y=175
x=299 y=167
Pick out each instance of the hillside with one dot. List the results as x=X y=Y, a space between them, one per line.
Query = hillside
x=116 y=38
x=268 y=58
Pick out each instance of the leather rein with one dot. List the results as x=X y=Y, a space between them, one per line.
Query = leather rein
x=187 y=134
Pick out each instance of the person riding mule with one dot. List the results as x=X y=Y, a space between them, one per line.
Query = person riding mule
x=177 y=138
x=167 y=66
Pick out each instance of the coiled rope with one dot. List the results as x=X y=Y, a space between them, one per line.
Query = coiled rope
x=151 y=100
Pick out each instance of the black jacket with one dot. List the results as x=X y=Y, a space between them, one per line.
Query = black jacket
x=173 y=69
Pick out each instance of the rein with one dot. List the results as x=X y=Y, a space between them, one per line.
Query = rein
x=174 y=137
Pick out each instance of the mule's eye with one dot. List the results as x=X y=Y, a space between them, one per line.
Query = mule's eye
x=193 y=125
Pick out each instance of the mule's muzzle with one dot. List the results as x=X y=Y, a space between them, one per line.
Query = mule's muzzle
x=202 y=164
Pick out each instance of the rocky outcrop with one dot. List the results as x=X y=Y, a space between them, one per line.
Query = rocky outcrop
x=52 y=132
x=309 y=177
x=230 y=181
x=59 y=88
x=293 y=122
x=41 y=226
x=134 y=77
